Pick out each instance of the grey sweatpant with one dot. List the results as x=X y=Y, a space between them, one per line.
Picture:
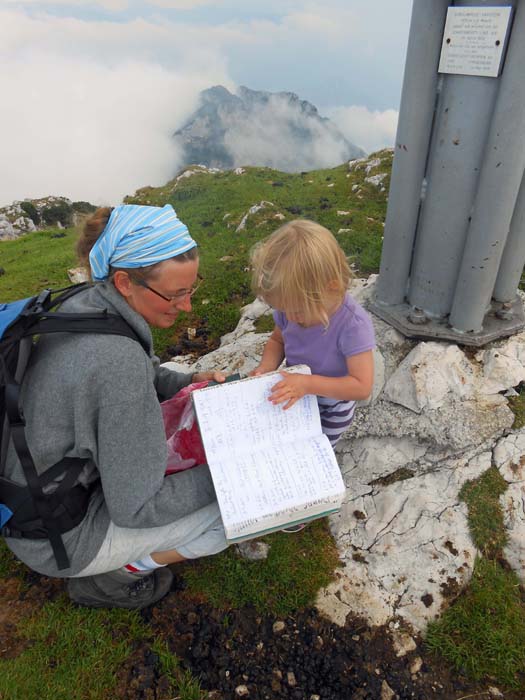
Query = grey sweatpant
x=197 y=535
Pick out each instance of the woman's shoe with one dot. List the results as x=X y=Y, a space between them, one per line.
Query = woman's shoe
x=120 y=589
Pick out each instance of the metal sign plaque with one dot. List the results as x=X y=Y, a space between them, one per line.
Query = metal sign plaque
x=473 y=40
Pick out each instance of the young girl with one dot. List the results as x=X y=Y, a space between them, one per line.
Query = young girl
x=301 y=272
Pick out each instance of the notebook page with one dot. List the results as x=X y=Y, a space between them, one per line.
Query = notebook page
x=237 y=416
x=277 y=485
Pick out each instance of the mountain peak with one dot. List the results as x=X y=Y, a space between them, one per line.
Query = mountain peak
x=255 y=127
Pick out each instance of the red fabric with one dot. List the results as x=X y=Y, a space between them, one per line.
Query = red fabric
x=185 y=448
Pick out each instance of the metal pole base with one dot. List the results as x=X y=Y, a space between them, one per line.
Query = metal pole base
x=501 y=321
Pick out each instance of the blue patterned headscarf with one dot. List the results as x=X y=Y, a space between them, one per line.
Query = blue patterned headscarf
x=137 y=236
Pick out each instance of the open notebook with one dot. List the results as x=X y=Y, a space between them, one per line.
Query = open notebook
x=270 y=468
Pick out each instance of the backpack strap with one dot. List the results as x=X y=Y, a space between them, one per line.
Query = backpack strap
x=68 y=502
x=40 y=500
x=62 y=510
x=103 y=323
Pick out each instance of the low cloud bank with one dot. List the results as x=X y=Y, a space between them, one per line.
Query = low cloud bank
x=281 y=135
x=88 y=131
x=371 y=130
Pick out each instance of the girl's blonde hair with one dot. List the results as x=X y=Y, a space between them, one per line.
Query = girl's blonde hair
x=301 y=267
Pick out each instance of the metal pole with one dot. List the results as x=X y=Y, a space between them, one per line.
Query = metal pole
x=462 y=125
x=412 y=138
x=513 y=259
x=500 y=179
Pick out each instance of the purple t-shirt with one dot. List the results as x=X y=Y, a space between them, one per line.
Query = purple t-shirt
x=325 y=350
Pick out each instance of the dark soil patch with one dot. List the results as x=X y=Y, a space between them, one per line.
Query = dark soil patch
x=195 y=342
x=303 y=657
x=297 y=658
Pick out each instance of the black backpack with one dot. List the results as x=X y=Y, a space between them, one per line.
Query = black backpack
x=28 y=511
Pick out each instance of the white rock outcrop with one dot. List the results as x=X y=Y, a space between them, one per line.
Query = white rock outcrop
x=250 y=212
x=436 y=419
x=509 y=457
x=376 y=179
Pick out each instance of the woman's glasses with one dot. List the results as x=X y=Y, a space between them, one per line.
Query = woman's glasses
x=174 y=297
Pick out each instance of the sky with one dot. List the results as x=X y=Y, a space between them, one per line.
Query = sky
x=91 y=91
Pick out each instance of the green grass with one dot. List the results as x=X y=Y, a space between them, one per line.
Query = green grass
x=482 y=634
x=517 y=406
x=35 y=261
x=188 y=688
x=202 y=201
x=72 y=653
x=264 y=324
x=484 y=512
x=298 y=565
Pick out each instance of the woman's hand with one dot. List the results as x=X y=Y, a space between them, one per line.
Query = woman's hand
x=258 y=371
x=290 y=389
x=215 y=376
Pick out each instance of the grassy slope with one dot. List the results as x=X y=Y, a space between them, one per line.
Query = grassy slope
x=212 y=206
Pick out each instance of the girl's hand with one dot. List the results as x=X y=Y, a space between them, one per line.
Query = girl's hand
x=214 y=376
x=290 y=389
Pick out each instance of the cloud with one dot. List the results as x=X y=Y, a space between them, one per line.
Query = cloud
x=82 y=121
x=75 y=90
x=182 y=4
x=90 y=132
x=279 y=135
x=113 y=5
x=372 y=130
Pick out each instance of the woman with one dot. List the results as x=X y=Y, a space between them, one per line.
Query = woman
x=96 y=397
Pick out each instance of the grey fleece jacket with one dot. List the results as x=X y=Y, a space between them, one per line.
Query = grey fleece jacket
x=94 y=396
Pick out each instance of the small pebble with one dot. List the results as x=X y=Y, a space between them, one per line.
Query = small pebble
x=278 y=627
x=290 y=679
x=386 y=691
x=253 y=550
x=242 y=691
x=495 y=692
x=416 y=664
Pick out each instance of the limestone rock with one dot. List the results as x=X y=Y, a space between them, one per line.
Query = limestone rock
x=78 y=274
x=252 y=210
x=7 y=231
x=406 y=546
x=376 y=179
x=249 y=315
x=503 y=364
x=242 y=356
x=434 y=419
x=253 y=550
x=509 y=457
x=429 y=374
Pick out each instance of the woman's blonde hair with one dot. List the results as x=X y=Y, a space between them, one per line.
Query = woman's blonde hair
x=301 y=267
x=93 y=228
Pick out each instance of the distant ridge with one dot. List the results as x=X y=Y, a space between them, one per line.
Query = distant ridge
x=276 y=130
